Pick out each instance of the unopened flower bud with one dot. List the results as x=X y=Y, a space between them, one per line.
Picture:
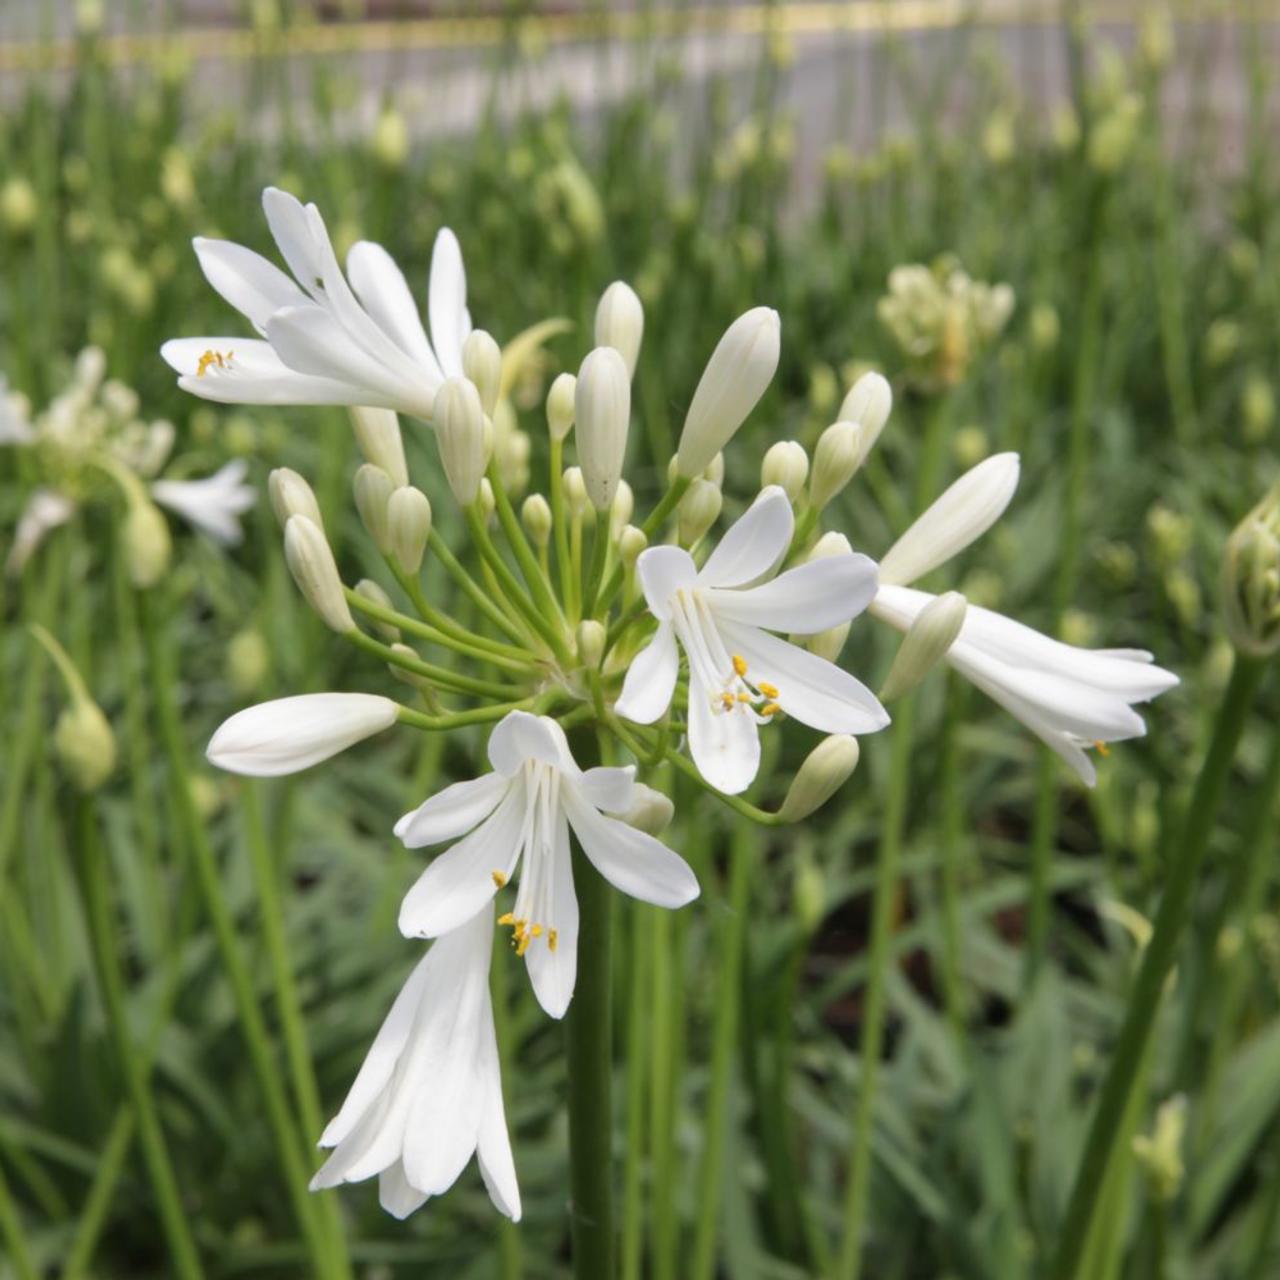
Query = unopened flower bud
x=825 y=770
x=248 y=661
x=369 y=590
x=622 y=508
x=631 y=542
x=409 y=527
x=925 y=645
x=575 y=490
x=482 y=363
x=390 y=140
x=460 y=431
x=83 y=737
x=535 y=515
x=620 y=323
x=291 y=495
x=699 y=509
x=487 y=501
x=650 y=812
x=591 y=638
x=311 y=562
x=560 y=405
x=147 y=544
x=869 y=403
x=379 y=441
x=602 y=407
x=1159 y=1154
x=402 y=650
x=737 y=375
x=373 y=490
x=787 y=465
x=809 y=894
x=827 y=644
x=715 y=471
x=1251 y=580
x=838 y=456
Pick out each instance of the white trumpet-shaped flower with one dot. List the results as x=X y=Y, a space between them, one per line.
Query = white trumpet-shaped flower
x=1070 y=698
x=290 y=734
x=429 y=1094
x=354 y=339
x=740 y=676
x=213 y=505
x=46 y=509
x=524 y=811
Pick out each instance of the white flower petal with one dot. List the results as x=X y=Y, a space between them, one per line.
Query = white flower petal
x=452 y=812
x=520 y=736
x=253 y=374
x=254 y=286
x=295 y=238
x=611 y=790
x=443 y=1126
x=725 y=745
x=447 y=303
x=460 y=882
x=662 y=571
x=213 y=505
x=631 y=861
x=384 y=293
x=554 y=973
x=753 y=545
x=651 y=678
x=497 y=1167
x=395 y=1194
x=813 y=690
x=290 y=734
x=809 y=598
x=45 y=511
x=963 y=513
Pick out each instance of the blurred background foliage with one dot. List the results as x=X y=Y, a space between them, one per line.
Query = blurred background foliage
x=1136 y=223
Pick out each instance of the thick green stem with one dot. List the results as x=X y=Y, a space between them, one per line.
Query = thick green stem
x=589 y=1044
x=599 y=559
x=100 y=915
x=637 y=1057
x=874 y=1005
x=1157 y=961
x=97 y=1203
x=14 y=1238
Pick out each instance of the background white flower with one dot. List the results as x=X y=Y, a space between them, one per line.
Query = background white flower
x=740 y=676
x=429 y=1094
x=525 y=809
x=213 y=505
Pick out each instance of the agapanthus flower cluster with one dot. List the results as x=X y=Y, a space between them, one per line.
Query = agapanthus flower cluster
x=90 y=439
x=596 y=646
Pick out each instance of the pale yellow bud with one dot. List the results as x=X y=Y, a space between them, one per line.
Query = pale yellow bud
x=373 y=490
x=650 y=812
x=460 y=431
x=699 y=509
x=291 y=495
x=147 y=544
x=488 y=503
x=482 y=363
x=409 y=526
x=369 y=590
x=631 y=542
x=715 y=471
x=591 y=637
x=825 y=770
x=620 y=323
x=560 y=405
x=809 y=894
x=535 y=515
x=1159 y=1154
x=310 y=560
x=925 y=644
x=835 y=461
x=786 y=465
x=248 y=661
x=390 y=140
x=379 y=441
x=402 y=650
x=575 y=491
x=1251 y=580
x=85 y=744
x=622 y=508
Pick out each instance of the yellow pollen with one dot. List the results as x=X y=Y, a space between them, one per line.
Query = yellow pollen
x=726 y=701
x=1103 y=749
x=507 y=919
x=739 y=665
x=553 y=939
x=744 y=697
x=499 y=878
x=770 y=709
x=769 y=690
x=536 y=931
x=211 y=358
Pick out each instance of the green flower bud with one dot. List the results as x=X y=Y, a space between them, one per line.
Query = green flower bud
x=535 y=515
x=1159 y=1154
x=369 y=590
x=488 y=503
x=1258 y=404
x=787 y=465
x=1251 y=580
x=560 y=405
x=310 y=560
x=373 y=490
x=1044 y=326
x=147 y=544
x=631 y=542
x=575 y=491
x=409 y=526
x=82 y=737
x=379 y=440
x=699 y=509
x=622 y=508
x=291 y=495
x=482 y=363
x=809 y=894
x=925 y=644
x=248 y=661
x=825 y=770
x=390 y=141
x=591 y=638
x=836 y=459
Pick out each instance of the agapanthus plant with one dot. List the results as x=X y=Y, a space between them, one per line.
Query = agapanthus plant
x=597 y=648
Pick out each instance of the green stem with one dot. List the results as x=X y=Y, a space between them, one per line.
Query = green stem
x=13 y=1235
x=540 y=589
x=1157 y=961
x=100 y=916
x=743 y=856
x=324 y=1260
x=874 y=1004
x=637 y=1056
x=657 y=518
x=472 y=589
x=589 y=1049
x=453 y=681
x=97 y=1203
x=599 y=559
x=949 y=842
x=560 y=529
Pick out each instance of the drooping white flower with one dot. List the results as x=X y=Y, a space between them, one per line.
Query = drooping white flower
x=740 y=676
x=46 y=509
x=329 y=339
x=429 y=1094
x=290 y=734
x=213 y=505
x=15 y=423
x=1070 y=698
x=524 y=811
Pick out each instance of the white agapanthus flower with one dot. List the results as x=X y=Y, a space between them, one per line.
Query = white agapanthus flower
x=429 y=1094
x=740 y=676
x=213 y=505
x=524 y=811
x=46 y=509
x=354 y=339
x=1070 y=698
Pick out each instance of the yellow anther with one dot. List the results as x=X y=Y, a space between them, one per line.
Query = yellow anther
x=739 y=665
x=770 y=709
x=726 y=701
x=769 y=690
x=499 y=878
x=1103 y=749
x=536 y=931
x=212 y=358
x=507 y=919
x=744 y=697
x=522 y=944
x=553 y=939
